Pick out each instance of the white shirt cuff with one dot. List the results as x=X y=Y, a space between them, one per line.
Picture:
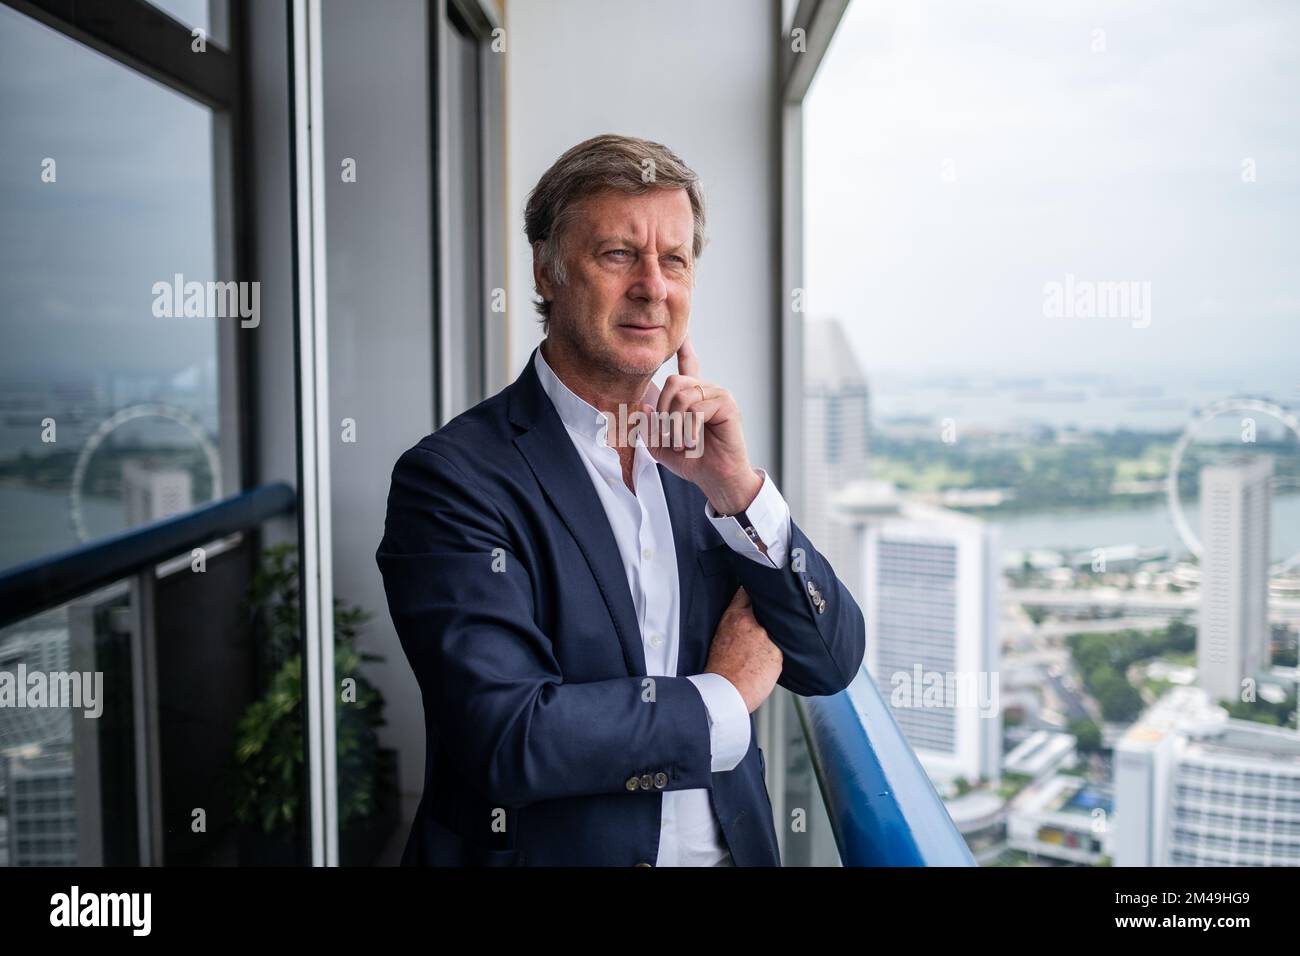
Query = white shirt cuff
x=769 y=516
x=728 y=720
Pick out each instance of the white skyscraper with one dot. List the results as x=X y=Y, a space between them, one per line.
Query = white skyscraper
x=37 y=780
x=1232 y=641
x=932 y=635
x=150 y=493
x=40 y=810
x=1195 y=788
x=836 y=422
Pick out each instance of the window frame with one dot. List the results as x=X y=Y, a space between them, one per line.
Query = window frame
x=478 y=20
x=818 y=19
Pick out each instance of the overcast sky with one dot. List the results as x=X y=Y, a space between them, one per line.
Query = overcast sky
x=131 y=204
x=1117 y=165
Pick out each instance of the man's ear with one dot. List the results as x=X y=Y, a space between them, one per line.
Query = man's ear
x=541 y=276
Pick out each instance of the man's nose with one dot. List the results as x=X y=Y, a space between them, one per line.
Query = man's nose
x=649 y=285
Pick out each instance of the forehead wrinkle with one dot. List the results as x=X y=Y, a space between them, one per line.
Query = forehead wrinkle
x=600 y=239
x=682 y=245
x=623 y=226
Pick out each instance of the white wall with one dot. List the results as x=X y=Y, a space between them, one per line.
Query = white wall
x=380 y=293
x=699 y=77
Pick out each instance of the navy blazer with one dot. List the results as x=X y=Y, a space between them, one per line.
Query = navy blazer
x=547 y=744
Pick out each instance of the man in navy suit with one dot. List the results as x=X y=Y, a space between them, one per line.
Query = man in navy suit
x=595 y=587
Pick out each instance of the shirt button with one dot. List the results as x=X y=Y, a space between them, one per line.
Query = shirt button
x=647 y=553
x=656 y=640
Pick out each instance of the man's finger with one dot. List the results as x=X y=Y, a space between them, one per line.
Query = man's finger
x=676 y=385
x=688 y=363
x=659 y=450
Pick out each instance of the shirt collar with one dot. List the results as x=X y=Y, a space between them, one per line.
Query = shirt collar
x=578 y=414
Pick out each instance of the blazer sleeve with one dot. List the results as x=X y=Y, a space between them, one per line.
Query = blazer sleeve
x=824 y=644
x=461 y=599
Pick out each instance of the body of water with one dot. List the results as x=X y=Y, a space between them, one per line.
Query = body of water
x=1148 y=526
x=1161 y=402
x=35 y=523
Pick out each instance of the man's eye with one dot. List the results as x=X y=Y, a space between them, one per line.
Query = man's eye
x=618 y=252
x=681 y=261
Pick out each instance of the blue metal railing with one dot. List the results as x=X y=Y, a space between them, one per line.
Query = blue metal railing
x=50 y=581
x=883 y=808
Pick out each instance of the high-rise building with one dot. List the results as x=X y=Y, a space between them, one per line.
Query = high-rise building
x=931 y=582
x=41 y=810
x=43 y=649
x=1196 y=788
x=837 y=419
x=37 y=785
x=151 y=494
x=1232 y=640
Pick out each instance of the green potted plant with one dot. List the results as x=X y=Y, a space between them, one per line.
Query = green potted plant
x=269 y=748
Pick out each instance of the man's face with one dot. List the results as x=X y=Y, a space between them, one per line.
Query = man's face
x=630 y=272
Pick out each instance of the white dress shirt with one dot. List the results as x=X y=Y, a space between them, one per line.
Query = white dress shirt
x=690 y=834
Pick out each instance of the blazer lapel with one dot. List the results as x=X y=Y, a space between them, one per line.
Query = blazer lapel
x=684 y=515
x=549 y=451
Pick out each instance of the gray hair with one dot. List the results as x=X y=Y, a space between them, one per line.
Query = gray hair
x=623 y=163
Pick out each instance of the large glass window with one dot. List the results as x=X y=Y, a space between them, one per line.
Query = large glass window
x=1049 y=257
x=109 y=378
x=121 y=313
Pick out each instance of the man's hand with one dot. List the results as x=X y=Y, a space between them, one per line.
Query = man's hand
x=742 y=652
x=709 y=451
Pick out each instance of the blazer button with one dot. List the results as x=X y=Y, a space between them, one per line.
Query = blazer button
x=632 y=783
x=812 y=588
x=661 y=780
x=642 y=864
x=647 y=781
x=821 y=606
